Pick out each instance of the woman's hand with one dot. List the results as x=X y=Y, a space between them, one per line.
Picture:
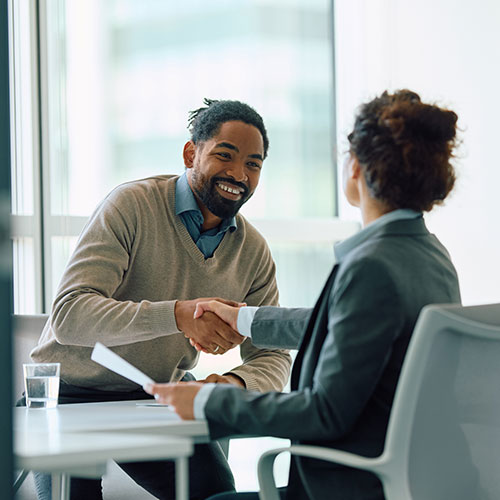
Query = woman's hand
x=180 y=396
x=227 y=313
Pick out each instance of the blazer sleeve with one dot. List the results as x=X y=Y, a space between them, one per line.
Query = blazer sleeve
x=364 y=318
x=265 y=367
x=279 y=326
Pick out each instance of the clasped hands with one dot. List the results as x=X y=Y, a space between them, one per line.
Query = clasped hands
x=211 y=326
x=209 y=323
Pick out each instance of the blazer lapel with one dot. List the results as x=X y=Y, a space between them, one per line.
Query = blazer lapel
x=318 y=312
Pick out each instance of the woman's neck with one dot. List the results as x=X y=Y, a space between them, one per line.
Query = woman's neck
x=371 y=208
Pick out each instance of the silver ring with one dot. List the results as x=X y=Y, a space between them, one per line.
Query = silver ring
x=216 y=349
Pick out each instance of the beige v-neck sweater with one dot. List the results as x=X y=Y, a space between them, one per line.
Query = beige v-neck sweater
x=133 y=260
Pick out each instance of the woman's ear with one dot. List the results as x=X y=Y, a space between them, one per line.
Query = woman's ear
x=188 y=154
x=354 y=168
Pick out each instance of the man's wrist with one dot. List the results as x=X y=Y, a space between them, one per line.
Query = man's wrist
x=181 y=312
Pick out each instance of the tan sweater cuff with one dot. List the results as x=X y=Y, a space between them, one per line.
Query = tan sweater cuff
x=162 y=317
x=251 y=382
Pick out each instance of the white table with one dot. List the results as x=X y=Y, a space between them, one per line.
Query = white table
x=143 y=416
x=80 y=438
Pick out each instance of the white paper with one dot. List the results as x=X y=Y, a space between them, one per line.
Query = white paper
x=106 y=357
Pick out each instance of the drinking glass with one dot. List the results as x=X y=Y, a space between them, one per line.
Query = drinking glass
x=41 y=383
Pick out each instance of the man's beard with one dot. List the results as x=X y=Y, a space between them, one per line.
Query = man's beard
x=206 y=190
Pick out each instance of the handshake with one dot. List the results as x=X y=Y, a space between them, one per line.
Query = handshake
x=210 y=324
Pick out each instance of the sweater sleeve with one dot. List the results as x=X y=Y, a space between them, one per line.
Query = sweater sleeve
x=84 y=301
x=263 y=369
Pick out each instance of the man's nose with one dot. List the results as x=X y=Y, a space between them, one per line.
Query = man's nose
x=237 y=171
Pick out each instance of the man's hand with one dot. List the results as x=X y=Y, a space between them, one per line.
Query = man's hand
x=208 y=333
x=214 y=378
x=180 y=396
x=226 y=311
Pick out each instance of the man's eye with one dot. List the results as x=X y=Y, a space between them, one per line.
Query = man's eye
x=253 y=164
x=224 y=155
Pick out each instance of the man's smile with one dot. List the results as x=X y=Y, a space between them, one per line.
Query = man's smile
x=229 y=190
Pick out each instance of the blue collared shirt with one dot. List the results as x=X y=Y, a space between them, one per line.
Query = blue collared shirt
x=187 y=209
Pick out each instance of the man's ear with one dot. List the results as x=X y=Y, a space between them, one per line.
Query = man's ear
x=189 y=153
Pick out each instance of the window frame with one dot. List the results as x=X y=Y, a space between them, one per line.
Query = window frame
x=26 y=225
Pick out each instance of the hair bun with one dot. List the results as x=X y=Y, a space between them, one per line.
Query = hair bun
x=410 y=120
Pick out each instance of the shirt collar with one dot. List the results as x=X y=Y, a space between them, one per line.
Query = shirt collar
x=342 y=248
x=186 y=202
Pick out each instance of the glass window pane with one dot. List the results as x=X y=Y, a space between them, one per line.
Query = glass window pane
x=25 y=221
x=119 y=98
x=301 y=269
x=22 y=113
x=24 y=275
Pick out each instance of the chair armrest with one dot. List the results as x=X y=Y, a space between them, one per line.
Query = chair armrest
x=267 y=486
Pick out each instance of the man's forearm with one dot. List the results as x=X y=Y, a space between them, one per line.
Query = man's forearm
x=84 y=318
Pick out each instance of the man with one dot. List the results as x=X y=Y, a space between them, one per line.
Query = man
x=149 y=249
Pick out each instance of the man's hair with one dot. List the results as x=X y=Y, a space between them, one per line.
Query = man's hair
x=205 y=122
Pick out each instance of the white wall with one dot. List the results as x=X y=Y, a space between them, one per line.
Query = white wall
x=447 y=51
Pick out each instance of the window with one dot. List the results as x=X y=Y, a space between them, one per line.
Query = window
x=117 y=79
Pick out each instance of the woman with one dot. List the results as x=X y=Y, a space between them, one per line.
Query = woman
x=352 y=344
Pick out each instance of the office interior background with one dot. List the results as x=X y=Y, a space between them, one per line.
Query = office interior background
x=100 y=92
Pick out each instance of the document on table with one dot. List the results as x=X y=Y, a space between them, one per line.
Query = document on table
x=106 y=357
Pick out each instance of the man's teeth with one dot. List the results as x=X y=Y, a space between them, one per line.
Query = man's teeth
x=231 y=190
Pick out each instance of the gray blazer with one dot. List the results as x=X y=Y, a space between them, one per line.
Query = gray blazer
x=351 y=348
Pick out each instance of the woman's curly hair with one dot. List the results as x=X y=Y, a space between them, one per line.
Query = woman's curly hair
x=404 y=148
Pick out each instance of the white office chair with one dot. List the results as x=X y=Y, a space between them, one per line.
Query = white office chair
x=443 y=438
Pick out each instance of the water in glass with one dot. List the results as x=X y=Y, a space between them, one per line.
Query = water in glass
x=42 y=391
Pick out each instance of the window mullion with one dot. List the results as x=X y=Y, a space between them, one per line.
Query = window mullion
x=45 y=165
x=37 y=160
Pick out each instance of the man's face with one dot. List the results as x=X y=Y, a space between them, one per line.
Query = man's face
x=224 y=171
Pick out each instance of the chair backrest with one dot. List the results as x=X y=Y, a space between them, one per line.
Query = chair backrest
x=444 y=431
x=27 y=330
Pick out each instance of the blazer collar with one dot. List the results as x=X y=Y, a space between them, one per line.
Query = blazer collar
x=397 y=220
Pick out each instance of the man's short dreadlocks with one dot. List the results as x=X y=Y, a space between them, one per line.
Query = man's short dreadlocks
x=205 y=122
